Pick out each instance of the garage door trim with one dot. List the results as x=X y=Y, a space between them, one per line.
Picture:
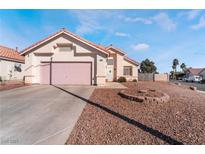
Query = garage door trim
x=50 y=62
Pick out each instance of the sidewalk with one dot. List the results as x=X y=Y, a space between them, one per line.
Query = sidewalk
x=113 y=85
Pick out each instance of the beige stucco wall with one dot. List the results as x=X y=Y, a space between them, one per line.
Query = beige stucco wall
x=161 y=77
x=7 y=71
x=80 y=53
x=121 y=62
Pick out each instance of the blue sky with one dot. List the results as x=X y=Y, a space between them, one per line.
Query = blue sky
x=160 y=35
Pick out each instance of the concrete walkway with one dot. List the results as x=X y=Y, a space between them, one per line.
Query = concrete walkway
x=115 y=85
x=40 y=114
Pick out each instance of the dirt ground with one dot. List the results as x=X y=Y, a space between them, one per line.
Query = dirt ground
x=110 y=119
x=11 y=85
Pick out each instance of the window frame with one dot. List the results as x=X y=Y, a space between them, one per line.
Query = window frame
x=110 y=60
x=125 y=69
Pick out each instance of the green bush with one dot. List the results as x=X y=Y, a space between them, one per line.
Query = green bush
x=134 y=80
x=121 y=79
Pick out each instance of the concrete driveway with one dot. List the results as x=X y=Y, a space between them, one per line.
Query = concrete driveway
x=40 y=114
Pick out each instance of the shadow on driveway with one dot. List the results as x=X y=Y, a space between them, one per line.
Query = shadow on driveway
x=143 y=127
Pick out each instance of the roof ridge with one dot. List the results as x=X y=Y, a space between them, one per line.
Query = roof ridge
x=41 y=40
x=64 y=30
x=116 y=48
x=126 y=57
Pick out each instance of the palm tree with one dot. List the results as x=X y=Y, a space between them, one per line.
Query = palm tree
x=174 y=66
x=183 y=67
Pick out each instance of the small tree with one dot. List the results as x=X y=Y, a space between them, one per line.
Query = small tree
x=148 y=66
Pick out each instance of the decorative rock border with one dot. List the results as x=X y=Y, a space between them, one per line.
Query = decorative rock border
x=145 y=99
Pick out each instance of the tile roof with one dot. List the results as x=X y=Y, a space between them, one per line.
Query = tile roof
x=10 y=54
x=116 y=49
x=195 y=71
x=65 y=32
x=124 y=54
x=131 y=60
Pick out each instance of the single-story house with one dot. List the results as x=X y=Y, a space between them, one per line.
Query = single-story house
x=11 y=63
x=194 y=72
x=65 y=58
x=202 y=73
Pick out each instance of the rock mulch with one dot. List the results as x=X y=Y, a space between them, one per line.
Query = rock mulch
x=11 y=85
x=110 y=119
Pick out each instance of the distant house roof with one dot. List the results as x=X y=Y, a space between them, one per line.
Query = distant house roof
x=10 y=54
x=202 y=70
x=66 y=32
x=195 y=71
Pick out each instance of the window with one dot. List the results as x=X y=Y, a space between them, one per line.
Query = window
x=127 y=70
x=65 y=48
x=110 y=61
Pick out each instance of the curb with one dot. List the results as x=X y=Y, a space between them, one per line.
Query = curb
x=200 y=91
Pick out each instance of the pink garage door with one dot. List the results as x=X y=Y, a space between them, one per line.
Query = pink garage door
x=67 y=73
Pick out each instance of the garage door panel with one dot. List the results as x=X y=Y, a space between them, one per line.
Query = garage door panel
x=45 y=74
x=68 y=73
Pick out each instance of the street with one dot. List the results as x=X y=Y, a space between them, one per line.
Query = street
x=194 y=84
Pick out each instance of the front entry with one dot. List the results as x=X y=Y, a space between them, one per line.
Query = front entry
x=109 y=73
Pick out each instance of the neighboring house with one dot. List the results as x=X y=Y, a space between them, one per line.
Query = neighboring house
x=194 y=72
x=11 y=64
x=65 y=58
x=202 y=73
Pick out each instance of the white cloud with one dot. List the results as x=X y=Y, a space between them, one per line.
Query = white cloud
x=190 y=15
x=201 y=24
x=164 y=21
x=91 y=20
x=141 y=46
x=142 y=20
x=88 y=21
x=121 y=34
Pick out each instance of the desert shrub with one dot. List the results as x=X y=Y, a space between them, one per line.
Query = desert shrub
x=134 y=80
x=121 y=79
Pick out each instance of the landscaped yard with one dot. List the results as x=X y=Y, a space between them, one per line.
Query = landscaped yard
x=110 y=119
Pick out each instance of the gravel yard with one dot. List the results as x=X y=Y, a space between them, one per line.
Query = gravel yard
x=110 y=119
x=11 y=85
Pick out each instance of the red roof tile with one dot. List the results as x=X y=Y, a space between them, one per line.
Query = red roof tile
x=131 y=60
x=116 y=49
x=195 y=71
x=10 y=54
